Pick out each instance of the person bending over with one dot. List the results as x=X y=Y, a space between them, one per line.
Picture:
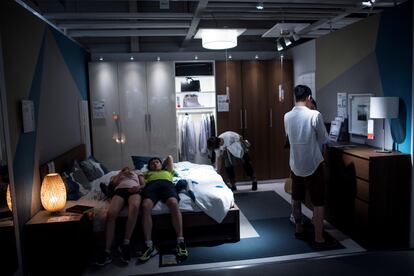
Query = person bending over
x=127 y=187
x=159 y=186
x=231 y=147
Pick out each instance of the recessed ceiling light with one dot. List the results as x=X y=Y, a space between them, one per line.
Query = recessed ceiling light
x=256 y=56
x=158 y=58
x=230 y=57
x=131 y=58
x=195 y=57
x=100 y=58
x=259 y=6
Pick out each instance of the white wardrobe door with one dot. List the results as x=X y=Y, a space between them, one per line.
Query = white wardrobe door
x=161 y=107
x=104 y=93
x=133 y=109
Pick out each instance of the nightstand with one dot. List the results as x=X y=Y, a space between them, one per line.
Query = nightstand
x=59 y=244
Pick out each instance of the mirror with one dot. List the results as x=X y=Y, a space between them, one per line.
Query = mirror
x=8 y=248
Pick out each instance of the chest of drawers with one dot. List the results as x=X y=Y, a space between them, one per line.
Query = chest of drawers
x=368 y=195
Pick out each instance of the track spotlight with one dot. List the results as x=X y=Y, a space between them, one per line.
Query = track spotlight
x=295 y=36
x=287 y=41
x=368 y=3
x=279 y=46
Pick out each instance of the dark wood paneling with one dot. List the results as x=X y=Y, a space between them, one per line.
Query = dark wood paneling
x=230 y=120
x=278 y=155
x=256 y=114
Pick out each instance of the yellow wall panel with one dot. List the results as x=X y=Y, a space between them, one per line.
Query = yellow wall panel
x=340 y=50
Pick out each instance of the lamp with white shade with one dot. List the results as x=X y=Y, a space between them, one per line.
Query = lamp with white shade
x=219 y=39
x=384 y=108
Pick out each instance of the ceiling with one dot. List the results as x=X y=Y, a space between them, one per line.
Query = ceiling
x=165 y=26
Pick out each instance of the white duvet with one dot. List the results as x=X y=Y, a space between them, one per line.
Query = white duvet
x=212 y=196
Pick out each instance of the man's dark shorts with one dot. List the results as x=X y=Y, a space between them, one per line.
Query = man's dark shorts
x=160 y=190
x=313 y=182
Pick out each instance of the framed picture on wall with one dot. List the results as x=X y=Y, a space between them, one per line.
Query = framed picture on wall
x=358 y=113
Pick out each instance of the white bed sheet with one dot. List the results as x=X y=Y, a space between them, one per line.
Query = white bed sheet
x=212 y=195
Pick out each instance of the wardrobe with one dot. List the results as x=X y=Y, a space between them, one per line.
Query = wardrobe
x=132 y=111
x=256 y=110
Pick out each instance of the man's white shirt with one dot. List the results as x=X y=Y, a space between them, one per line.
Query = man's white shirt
x=306 y=131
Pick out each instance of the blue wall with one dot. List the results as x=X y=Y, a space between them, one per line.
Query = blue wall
x=394 y=56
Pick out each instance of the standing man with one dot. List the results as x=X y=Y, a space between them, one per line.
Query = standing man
x=306 y=131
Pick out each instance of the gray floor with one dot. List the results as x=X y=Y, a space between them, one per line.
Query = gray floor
x=367 y=263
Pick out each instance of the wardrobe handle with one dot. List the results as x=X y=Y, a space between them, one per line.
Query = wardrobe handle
x=270 y=117
x=245 y=118
x=146 y=123
x=149 y=122
x=241 y=119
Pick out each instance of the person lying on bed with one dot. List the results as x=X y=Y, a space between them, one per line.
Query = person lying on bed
x=159 y=186
x=127 y=188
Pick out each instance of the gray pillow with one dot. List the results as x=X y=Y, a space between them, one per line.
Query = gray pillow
x=90 y=170
x=79 y=177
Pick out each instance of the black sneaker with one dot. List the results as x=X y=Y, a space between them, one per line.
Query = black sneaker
x=103 y=259
x=182 y=251
x=148 y=253
x=125 y=253
x=254 y=186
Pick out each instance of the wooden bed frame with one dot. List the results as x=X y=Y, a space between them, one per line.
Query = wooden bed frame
x=198 y=227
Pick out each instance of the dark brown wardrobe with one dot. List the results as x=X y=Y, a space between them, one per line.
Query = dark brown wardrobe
x=255 y=111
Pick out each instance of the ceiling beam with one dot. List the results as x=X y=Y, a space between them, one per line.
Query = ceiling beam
x=196 y=20
x=118 y=15
x=317 y=24
x=133 y=40
x=124 y=25
x=125 y=33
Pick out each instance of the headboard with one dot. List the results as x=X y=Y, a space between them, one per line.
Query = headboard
x=65 y=161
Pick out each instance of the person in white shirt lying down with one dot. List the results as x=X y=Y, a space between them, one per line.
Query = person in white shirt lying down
x=127 y=186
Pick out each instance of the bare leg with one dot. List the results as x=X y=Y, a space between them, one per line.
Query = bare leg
x=115 y=207
x=176 y=217
x=297 y=215
x=318 y=215
x=133 y=209
x=147 y=206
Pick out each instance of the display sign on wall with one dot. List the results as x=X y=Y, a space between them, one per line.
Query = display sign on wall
x=222 y=103
x=98 y=109
x=342 y=105
x=28 y=116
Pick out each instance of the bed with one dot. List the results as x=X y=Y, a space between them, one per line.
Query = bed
x=207 y=205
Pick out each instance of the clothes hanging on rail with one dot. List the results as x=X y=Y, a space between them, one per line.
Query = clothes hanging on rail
x=212 y=123
x=204 y=134
x=188 y=139
x=212 y=126
x=194 y=132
